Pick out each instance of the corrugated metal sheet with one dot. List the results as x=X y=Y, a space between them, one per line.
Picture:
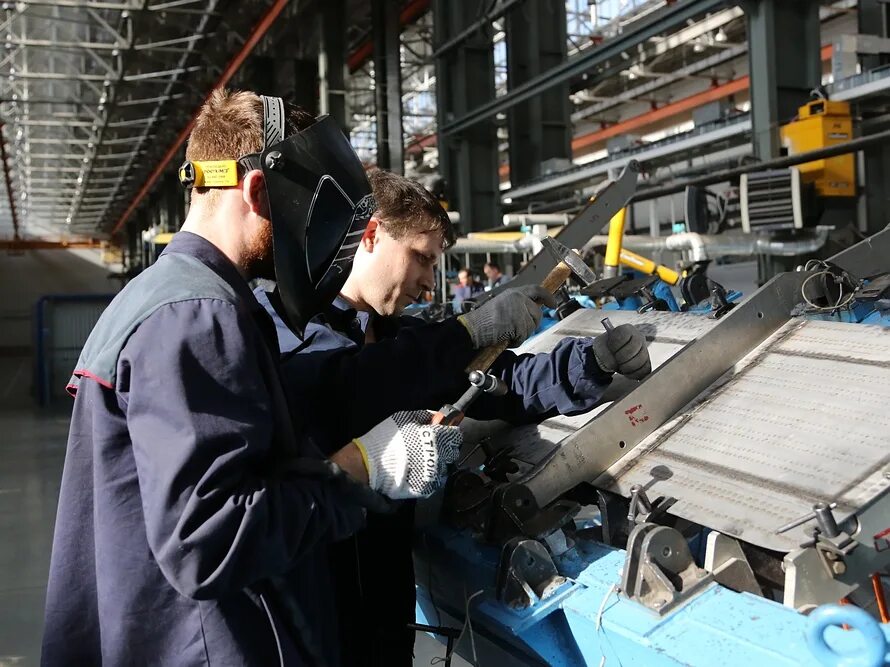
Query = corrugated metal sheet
x=64 y=324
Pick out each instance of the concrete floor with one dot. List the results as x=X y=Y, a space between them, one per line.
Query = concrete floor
x=31 y=455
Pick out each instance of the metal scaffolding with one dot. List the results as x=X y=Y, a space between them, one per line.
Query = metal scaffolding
x=92 y=91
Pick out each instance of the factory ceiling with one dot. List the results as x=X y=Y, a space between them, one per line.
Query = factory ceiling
x=92 y=92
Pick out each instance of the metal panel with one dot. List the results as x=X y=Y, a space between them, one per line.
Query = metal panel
x=583 y=456
x=666 y=334
x=803 y=420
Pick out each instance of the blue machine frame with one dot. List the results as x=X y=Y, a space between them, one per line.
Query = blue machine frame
x=589 y=622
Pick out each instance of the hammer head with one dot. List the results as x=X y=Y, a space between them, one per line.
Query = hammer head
x=573 y=260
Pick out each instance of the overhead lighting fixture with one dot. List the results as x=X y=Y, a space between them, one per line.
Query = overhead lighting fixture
x=720 y=36
x=697 y=46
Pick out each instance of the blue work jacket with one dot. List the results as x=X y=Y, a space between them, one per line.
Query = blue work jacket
x=182 y=536
x=413 y=365
x=418 y=365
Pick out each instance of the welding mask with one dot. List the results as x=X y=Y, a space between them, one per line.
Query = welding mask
x=319 y=203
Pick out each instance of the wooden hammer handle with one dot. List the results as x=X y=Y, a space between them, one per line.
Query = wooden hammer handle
x=554 y=280
x=485 y=358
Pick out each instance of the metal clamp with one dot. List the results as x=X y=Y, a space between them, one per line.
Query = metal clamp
x=831 y=543
x=659 y=572
x=642 y=510
x=526 y=574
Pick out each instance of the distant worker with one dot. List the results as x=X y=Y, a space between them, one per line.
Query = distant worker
x=467 y=289
x=493 y=272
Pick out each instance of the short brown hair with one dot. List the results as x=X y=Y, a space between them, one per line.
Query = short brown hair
x=406 y=207
x=230 y=125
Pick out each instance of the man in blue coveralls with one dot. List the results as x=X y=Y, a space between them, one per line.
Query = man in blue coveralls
x=410 y=365
x=194 y=509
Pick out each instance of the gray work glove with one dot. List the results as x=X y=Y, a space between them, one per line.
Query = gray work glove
x=623 y=350
x=512 y=315
x=407 y=456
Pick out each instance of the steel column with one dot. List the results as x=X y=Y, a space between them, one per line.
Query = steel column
x=331 y=69
x=539 y=128
x=388 y=85
x=784 y=65
x=9 y=193
x=468 y=160
x=874 y=19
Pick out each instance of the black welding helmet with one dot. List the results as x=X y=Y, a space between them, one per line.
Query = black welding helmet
x=319 y=203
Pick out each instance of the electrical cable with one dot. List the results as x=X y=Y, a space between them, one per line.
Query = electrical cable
x=467 y=624
x=839 y=279
x=614 y=588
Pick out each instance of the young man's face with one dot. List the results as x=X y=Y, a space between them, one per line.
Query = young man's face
x=395 y=273
x=490 y=272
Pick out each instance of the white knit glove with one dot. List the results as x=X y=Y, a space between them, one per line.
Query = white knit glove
x=407 y=456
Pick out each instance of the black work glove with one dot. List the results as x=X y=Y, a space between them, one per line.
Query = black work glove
x=623 y=350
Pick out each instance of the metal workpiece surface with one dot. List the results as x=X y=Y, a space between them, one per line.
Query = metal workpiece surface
x=802 y=419
x=584 y=455
x=666 y=334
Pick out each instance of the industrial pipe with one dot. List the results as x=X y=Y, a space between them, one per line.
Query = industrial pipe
x=709 y=246
x=482 y=246
x=524 y=218
x=647 y=266
x=700 y=246
x=613 y=247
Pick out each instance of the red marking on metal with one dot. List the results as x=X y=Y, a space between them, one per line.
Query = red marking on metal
x=635 y=420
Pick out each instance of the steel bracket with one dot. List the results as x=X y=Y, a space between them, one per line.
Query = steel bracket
x=659 y=572
x=526 y=574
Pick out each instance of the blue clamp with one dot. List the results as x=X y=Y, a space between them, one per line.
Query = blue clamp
x=872 y=649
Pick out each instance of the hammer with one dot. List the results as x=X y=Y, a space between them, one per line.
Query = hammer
x=452 y=414
x=569 y=264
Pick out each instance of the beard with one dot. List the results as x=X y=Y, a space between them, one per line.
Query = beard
x=259 y=258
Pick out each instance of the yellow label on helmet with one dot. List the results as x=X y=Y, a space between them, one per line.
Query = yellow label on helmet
x=215 y=173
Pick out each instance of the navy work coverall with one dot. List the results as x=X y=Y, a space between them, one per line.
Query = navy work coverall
x=413 y=365
x=178 y=516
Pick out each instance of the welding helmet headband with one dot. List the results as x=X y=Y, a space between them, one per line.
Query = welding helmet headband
x=319 y=203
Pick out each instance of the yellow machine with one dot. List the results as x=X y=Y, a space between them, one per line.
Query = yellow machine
x=822 y=123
